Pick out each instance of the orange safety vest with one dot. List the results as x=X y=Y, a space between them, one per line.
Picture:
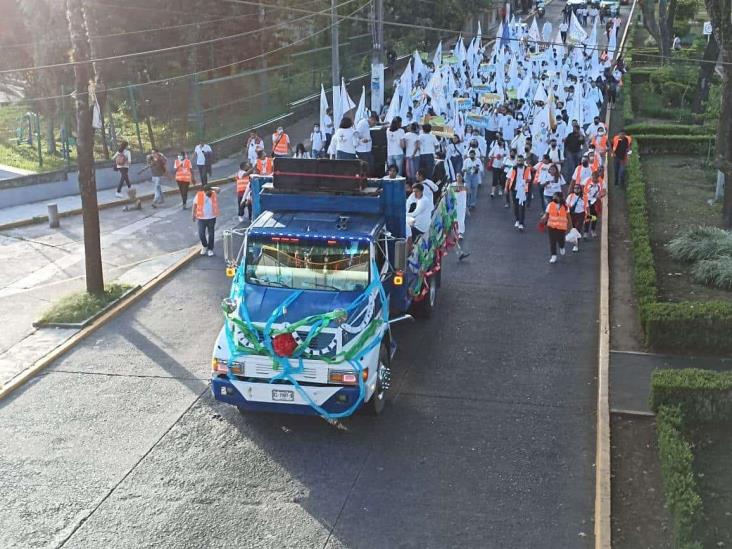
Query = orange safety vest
x=511 y=179
x=280 y=143
x=600 y=143
x=616 y=140
x=577 y=176
x=557 y=217
x=540 y=167
x=183 y=170
x=198 y=204
x=264 y=166
x=242 y=183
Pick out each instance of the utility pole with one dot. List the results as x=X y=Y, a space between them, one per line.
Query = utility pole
x=377 y=61
x=334 y=46
x=81 y=51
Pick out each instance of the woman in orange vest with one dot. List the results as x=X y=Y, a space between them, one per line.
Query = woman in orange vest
x=243 y=195
x=264 y=164
x=183 y=176
x=280 y=143
x=205 y=211
x=593 y=193
x=557 y=221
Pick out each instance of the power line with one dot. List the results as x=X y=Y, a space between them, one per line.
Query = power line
x=167 y=49
x=183 y=76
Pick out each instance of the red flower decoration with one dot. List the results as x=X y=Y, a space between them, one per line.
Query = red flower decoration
x=284 y=344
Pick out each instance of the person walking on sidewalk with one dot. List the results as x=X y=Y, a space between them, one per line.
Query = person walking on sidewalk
x=205 y=211
x=518 y=183
x=183 y=177
x=204 y=155
x=594 y=192
x=281 y=143
x=243 y=196
x=557 y=222
x=621 y=149
x=158 y=165
x=578 y=208
x=122 y=160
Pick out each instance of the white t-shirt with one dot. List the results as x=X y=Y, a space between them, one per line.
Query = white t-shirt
x=328 y=121
x=411 y=139
x=200 y=153
x=393 y=142
x=574 y=201
x=552 y=186
x=317 y=140
x=208 y=211
x=363 y=143
x=422 y=213
x=345 y=140
x=427 y=143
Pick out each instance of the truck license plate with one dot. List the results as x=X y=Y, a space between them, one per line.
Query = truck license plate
x=282 y=395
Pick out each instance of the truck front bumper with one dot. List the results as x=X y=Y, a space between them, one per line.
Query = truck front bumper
x=261 y=397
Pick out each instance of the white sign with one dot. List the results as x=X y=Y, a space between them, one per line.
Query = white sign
x=707 y=28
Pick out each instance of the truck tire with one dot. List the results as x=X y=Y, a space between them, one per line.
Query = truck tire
x=423 y=309
x=378 y=400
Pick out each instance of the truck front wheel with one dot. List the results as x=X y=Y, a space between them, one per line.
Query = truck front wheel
x=376 y=404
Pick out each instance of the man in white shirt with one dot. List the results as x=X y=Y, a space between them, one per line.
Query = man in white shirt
x=363 y=140
x=419 y=211
x=317 y=142
x=472 y=168
x=203 y=153
x=429 y=187
x=592 y=128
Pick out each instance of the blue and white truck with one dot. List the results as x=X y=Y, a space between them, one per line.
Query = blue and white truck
x=322 y=273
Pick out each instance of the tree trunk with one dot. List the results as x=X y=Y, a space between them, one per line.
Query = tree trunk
x=150 y=133
x=85 y=147
x=706 y=72
x=650 y=23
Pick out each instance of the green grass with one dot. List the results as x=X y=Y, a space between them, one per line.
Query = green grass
x=79 y=306
x=678 y=188
x=716 y=272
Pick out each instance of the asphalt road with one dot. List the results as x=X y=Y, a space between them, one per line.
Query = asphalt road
x=487 y=439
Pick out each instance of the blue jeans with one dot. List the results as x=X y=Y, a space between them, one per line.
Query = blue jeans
x=619 y=169
x=471 y=182
x=340 y=155
x=159 y=197
x=398 y=161
x=206 y=232
x=457 y=163
x=427 y=163
x=412 y=166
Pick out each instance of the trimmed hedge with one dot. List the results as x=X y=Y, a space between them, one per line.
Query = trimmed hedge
x=703 y=395
x=680 y=488
x=676 y=144
x=644 y=267
x=627 y=98
x=703 y=327
x=643 y=128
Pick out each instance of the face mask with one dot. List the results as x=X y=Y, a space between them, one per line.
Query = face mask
x=316 y=129
x=180 y=157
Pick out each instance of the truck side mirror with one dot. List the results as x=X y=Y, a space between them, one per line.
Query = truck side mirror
x=400 y=255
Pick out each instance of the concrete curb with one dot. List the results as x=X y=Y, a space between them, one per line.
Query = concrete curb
x=102 y=206
x=603 y=504
x=111 y=314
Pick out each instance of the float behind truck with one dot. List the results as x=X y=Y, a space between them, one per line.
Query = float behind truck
x=323 y=272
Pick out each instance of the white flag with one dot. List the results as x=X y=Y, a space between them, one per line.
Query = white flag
x=361 y=110
x=534 y=34
x=540 y=94
x=612 y=44
x=393 y=110
x=323 y=109
x=591 y=41
x=346 y=102
x=576 y=34
x=437 y=59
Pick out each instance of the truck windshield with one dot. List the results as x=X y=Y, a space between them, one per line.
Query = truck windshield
x=307 y=264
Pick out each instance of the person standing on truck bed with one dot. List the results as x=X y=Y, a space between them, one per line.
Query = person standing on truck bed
x=419 y=211
x=363 y=140
x=264 y=164
x=429 y=188
x=205 y=211
x=344 y=140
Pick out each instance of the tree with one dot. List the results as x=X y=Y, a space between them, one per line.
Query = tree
x=706 y=74
x=660 y=27
x=719 y=14
x=81 y=51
